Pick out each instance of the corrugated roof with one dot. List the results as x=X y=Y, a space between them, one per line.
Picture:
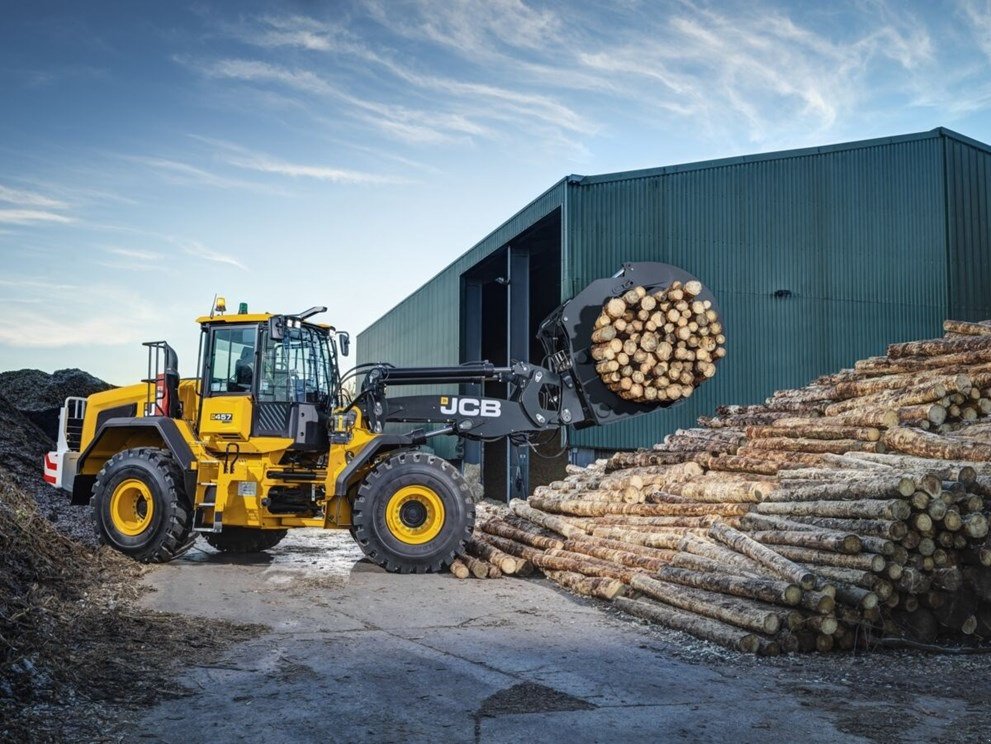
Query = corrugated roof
x=936 y=133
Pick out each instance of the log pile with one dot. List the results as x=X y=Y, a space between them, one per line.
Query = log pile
x=827 y=517
x=657 y=346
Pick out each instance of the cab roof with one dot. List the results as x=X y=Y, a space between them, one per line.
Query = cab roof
x=252 y=318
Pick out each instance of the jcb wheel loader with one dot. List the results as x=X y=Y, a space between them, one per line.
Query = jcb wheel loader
x=266 y=438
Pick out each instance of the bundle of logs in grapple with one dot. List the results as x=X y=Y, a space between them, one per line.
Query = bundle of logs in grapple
x=657 y=346
x=849 y=512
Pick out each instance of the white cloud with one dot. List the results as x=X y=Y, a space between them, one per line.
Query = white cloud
x=28 y=198
x=200 y=251
x=262 y=72
x=266 y=164
x=29 y=216
x=137 y=254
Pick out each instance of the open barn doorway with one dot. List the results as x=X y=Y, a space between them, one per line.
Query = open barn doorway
x=504 y=299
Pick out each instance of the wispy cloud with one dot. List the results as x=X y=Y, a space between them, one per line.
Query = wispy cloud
x=200 y=251
x=135 y=253
x=266 y=164
x=29 y=216
x=250 y=70
x=242 y=157
x=180 y=172
x=28 y=198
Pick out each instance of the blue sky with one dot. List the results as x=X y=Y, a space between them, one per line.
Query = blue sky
x=340 y=153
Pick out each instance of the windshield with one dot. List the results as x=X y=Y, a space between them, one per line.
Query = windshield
x=297 y=368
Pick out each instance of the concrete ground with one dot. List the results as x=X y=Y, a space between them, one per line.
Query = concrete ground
x=355 y=654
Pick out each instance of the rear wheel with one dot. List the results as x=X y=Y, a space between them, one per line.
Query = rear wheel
x=244 y=539
x=412 y=513
x=139 y=506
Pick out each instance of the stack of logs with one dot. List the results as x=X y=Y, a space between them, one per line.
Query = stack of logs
x=657 y=346
x=831 y=516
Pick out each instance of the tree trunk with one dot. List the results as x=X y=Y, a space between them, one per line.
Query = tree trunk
x=837 y=542
x=459 y=569
x=896 y=509
x=486 y=551
x=763 y=555
x=501 y=529
x=816 y=558
x=587 y=586
x=924 y=444
x=696 y=625
x=711 y=604
x=777 y=592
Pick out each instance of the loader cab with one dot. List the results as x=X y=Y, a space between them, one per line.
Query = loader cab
x=267 y=376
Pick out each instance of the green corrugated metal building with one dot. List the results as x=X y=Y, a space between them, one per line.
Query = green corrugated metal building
x=817 y=256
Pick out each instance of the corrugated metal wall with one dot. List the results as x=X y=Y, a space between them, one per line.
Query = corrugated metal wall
x=856 y=236
x=876 y=242
x=968 y=229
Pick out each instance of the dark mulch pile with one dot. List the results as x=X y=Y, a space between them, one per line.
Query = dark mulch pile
x=39 y=395
x=76 y=651
x=29 y=404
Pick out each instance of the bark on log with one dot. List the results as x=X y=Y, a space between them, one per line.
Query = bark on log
x=459 y=569
x=815 y=431
x=924 y=444
x=884 y=528
x=938 y=347
x=732 y=561
x=816 y=558
x=778 y=592
x=587 y=586
x=624 y=557
x=711 y=604
x=486 y=551
x=895 y=509
x=966 y=328
x=501 y=529
x=514 y=548
x=549 y=521
x=696 y=625
x=479 y=568
x=814 y=446
x=837 y=542
x=763 y=555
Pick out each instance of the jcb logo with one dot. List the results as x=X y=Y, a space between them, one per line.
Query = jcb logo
x=471 y=406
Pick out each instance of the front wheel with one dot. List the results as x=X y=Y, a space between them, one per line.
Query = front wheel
x=412 y=513
x=140 y=507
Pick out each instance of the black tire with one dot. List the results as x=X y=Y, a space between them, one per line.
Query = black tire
x=168 y=533
x=418 y=469
x=244 y=539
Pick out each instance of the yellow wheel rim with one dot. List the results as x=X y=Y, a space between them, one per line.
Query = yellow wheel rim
x=415 y=515
x=131 y=507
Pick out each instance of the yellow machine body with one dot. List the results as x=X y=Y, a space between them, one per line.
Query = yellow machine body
x=233 y=468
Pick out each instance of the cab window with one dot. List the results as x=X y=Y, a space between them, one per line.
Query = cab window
x=296 y=368
x=232 y=364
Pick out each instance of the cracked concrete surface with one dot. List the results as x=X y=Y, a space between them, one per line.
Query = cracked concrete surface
x=355 y=654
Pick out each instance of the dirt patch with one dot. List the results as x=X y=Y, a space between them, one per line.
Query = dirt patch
x=74 y=647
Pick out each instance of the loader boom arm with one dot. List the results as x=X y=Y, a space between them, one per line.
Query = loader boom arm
x=540 y=400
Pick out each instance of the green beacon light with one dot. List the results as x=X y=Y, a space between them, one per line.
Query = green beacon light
x=242 y=308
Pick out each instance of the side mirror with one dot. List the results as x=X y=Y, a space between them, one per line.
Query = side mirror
x=345 y=340
x=276 y=327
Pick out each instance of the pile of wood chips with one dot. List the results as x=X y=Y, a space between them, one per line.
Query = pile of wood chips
x=846 y=513
x=657 y=346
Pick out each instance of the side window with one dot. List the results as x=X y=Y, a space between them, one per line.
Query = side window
x=233 y=361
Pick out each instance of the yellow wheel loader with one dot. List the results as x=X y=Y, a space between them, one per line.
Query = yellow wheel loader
x=266 y=437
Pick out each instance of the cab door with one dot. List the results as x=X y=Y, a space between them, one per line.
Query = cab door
x=228 y=383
